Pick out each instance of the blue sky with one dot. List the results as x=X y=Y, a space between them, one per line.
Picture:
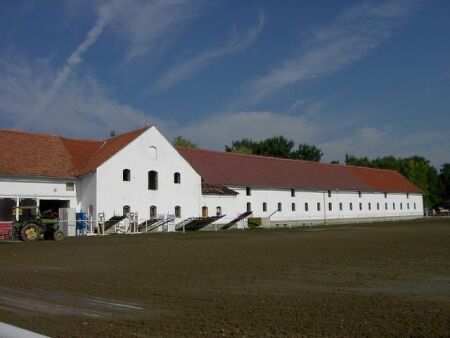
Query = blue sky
x=365 y=78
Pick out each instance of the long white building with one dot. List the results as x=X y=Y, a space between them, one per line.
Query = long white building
x=142 y=173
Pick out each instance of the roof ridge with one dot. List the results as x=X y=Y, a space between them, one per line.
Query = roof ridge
x=284 y=159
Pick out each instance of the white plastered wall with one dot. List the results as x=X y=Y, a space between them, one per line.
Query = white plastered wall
x=406 y=205
x=37 y=188
x=149 y=151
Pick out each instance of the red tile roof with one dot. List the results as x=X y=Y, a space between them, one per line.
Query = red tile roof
x=33 y=154
x=258 y=171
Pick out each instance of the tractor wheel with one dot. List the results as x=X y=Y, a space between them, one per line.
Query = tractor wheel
x=30 y=232
x=58 y=235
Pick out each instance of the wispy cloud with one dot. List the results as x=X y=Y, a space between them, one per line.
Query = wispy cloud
x=83 y=107
x=352 y=35
x=183 y=71
x=146 y=25
x=104 y=16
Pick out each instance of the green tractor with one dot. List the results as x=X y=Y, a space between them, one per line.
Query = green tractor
x=32 y=224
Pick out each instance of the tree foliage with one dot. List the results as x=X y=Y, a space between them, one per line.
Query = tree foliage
x=180 y=141
x=277 y=146
x=444 y=179
x=415 y=168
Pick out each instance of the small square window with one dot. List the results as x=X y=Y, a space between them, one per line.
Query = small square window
x=70 y=186
x=359 y=194
x=329 y=193
x=385 y=195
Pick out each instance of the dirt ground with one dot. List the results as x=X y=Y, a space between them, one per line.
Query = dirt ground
x=383 y=279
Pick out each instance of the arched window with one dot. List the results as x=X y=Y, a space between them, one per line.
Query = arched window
x=330 y=206
x=249 y=207
x=177 y=178
x=306 y=207
x=153 y=212
x=126 y=175
x=152 y=180
x=340 y=206
x=351 y=206
x=378 y=206
x=264 y=206
x=279 y=207
x=219 y=211
x=177 y=211
x=204 y=212
x=126 y=210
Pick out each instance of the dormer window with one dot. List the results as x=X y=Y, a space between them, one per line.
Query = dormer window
x=126 y=175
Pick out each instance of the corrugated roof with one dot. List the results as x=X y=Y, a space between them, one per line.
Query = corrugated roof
x=34 y=154
x=217 y=189
x=259 y=171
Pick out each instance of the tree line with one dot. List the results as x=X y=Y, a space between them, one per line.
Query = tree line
x=435 y=185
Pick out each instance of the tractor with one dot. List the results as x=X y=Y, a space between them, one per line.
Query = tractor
x=32 y=224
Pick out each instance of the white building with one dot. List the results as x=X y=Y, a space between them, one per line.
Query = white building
x=142 y=173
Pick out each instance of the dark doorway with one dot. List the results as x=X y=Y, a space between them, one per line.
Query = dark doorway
x=6 y=208
x=51 y=207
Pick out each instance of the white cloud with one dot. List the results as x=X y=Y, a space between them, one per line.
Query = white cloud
x=45 y=99
x=181 y=72
x=83 y=107
x=349 y=38
x=146 y=25
x=373 y=142
x=217 y=131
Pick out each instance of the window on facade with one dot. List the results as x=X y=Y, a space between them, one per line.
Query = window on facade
x=70 y=186
x=378 y=206
x=152 y=180
x=204 y=212
x=330 y=206
x=360 y=206
x=126 y=210
x=407 y=206
x=218 y=211
x=385 y=195
x=248 y=191
x=249 y=207
x=178 y=211
x=385 y=206
x=340 y=206
x=414 y=205
x=264 y=206
x=359 y=194
x=126 y=175
x=293 y=206
x=176 y=178
x=292 y=192
x=153 y=212
x=329 y=193
x=279 y=207
x=306 y=206
x=393 y=206
x=407 y=195
x=318 y=206
x=351 y=206
x=401 y=206
x=369 y=206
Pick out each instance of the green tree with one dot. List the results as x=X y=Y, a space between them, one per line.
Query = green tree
x=308 y=153
x=245 y=146
x=180 y=141
x=444 y=179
